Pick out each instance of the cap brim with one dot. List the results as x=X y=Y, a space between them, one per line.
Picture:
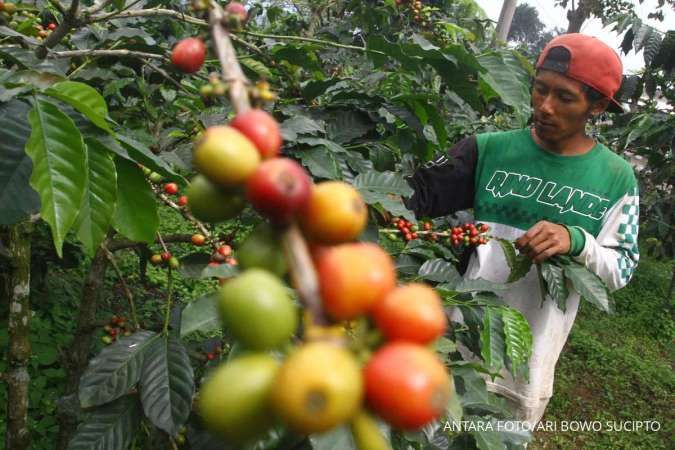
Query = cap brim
x=614 y=107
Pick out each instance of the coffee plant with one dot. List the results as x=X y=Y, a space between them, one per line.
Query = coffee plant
x=280 y=135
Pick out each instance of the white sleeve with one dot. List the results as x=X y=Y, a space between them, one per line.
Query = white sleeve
x=614 y=255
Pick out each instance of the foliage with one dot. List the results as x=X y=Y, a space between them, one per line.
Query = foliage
x=364 y=94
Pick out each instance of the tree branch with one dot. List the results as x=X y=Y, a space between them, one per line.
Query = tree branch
x=312 y=40
x=95 y=52
x=70 y=21
x=121 y=244
x=98 y=6
x=302 y=270
x=152 y=12
x=232 y=72
x=59 y=6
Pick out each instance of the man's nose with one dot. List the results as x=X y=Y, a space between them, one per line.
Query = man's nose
x=546 y=105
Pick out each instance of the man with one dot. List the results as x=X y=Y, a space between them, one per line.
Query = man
x=554 y=191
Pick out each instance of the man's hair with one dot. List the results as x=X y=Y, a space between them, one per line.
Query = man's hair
x=558 y=60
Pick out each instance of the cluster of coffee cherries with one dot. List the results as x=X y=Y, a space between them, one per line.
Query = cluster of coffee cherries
x=409 y=230
x=165 y=259
x=223 y=254
x=214 y=88
x=213 y=354
x=419 y=15
x=468 y=235
x=118 y=326
x=168 y=188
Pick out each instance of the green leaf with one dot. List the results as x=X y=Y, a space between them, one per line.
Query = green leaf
x=136 y=210
x=114 y=371
x=555 y=282
x=110 y=427
x=507 y=82
x=492 y=339
x=222 y=271
x=346 y=126
x=407 y=265
x=384 y=182
x=83 y=98
x=137 y=152
x=191 y=265
x=440 y=271
x=320 y=162
x=201 y=315
x=300 y=125
x=518 y=339
x=59 y=166
x=338 y=438
x=519 y=264
x=389 y=202
x=17 y=198
x=98 y=207
x=589 y=286
x=480 y=284
x=257 y=67
x=167 y=384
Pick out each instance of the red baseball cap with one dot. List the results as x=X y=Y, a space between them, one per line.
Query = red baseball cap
x=591 y=62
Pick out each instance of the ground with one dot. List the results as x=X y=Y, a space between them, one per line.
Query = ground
x=618 y=368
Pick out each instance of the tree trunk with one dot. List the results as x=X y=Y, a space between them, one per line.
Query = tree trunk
x=505 y=19
x=17 y=290
x=577 y=17
x=78 y=353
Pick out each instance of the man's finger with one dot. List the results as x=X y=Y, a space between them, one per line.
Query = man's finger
x=546 y=254
x=532 y=232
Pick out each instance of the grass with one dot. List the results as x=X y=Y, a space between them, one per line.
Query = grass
x=618 y=368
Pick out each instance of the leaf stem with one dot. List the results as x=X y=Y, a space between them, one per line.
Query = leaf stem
x=169 y=293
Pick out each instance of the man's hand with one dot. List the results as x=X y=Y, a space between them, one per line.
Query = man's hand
x=544 y=240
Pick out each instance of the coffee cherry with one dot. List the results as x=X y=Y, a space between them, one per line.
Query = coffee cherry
x=155 y=177
x=189 y=54
x=51 y=26
x=171 y=188
x=198 y=239
x=174 y=263
x=279 y=189
x=156 y=260
x=237 y=10
x=166 y=256
x=182 y=200
x=261 y=128
x=225 y=250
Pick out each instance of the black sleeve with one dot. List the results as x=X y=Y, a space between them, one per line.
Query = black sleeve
x=446 y=184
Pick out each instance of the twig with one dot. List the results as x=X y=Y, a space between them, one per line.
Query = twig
x=98 y=7
x=152 y=12
x=59 y=6
x=161 y=241
x=303 y=274
x=232 y=72
x=127 y=291
x=70 y=21
x=95 y=52
x=183 y=212
x=167 y=314
x=122 y=244
x=170 y=78
x=312 y=40
x=301 y=268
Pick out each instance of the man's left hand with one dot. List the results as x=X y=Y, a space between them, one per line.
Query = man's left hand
x=544 y=240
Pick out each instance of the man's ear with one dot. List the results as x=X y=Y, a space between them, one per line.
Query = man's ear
x=599 y=106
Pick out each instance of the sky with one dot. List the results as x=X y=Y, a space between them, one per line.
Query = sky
x=552 y=16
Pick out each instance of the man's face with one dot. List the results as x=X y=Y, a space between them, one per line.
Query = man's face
x=561 y=108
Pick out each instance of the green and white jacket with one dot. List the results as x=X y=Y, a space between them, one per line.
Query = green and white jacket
x=511 y=183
